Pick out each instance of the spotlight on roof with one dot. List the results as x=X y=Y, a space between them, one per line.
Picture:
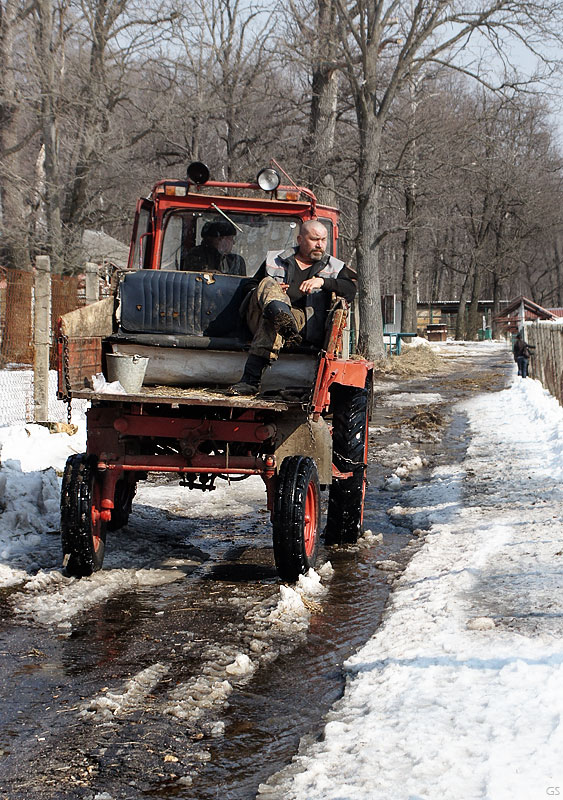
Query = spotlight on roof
x=198 y=173
x=268 y=179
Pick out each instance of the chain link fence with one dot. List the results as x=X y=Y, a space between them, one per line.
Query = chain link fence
x=17 y=401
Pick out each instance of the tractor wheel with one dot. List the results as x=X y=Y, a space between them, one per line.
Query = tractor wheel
x=349 y=444
x=296 y=518
x=83 y=533
x=124 y=494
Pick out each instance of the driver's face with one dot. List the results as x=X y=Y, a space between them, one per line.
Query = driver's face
x=312 y=242
x=224 y=244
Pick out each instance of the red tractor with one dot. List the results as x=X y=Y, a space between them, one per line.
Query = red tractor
x=305 y=432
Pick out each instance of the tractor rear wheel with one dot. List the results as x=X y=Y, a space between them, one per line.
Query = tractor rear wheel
x=124 y=493
x=83 y=532
x=296 y=517
x=349 y=444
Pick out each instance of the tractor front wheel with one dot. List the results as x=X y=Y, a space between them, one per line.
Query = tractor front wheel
x=296 y=517
x=83 y=532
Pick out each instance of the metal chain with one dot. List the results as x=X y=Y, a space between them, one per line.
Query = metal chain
x=66 y=369
x=310 y=429
x=352 y=464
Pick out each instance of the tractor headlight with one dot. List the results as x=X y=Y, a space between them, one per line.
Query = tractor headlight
x=268 y=179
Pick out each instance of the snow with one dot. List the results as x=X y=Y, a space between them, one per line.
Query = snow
x=406 y=399
x=458 y=694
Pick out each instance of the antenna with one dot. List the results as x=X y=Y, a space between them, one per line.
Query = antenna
x=282 y=170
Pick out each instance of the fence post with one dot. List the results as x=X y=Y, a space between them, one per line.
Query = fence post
x=92 y=283
x=41 y=337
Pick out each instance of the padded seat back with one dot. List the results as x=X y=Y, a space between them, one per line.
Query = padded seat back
x=182 y=303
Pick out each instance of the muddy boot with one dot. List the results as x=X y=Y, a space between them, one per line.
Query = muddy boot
x=279 y=314
x=249 y=384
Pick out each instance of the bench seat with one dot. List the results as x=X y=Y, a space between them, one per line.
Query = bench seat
x=189 y=326
x=172 y=303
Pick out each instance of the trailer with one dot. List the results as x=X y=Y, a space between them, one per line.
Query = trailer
x=305 y=432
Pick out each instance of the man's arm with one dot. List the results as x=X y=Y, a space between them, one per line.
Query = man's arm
x=344 y=285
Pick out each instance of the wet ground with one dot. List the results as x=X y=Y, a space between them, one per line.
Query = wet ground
x=149 y=695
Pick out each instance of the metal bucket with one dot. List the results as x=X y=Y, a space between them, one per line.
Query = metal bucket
x=128 y=370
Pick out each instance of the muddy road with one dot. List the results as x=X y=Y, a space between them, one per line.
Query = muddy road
x=183 y=669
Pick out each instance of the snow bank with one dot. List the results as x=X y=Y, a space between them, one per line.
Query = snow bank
x=459 y=692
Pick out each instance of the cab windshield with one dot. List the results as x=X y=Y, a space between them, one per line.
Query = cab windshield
x=256 y=234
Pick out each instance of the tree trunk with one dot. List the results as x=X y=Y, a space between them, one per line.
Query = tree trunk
x=15 y=235
x=460 y=327
x=49 y=128
x=322 y=120
x=408 y=285
x=88 y=132
x=370 y=343
x=473 y=321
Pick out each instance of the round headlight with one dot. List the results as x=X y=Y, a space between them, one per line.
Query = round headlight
x=198 y=173
x=268 y=179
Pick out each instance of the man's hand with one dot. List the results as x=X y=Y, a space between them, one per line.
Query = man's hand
x=284 y=287
x=311 y=284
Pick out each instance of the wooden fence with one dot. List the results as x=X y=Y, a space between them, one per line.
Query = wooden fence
x=546 y=363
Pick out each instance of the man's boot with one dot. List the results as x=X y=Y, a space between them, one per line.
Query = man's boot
x=249 y=384
x=279 y=314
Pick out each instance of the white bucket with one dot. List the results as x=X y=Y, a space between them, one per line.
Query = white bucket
x=128 y=370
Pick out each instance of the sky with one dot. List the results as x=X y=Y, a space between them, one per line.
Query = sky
x=458 y=694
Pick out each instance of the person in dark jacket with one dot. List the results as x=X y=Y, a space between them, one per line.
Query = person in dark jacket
x=289 y=298
x=521 y=351
x=214 y=253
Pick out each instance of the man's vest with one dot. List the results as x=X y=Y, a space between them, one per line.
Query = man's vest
x=316 y=303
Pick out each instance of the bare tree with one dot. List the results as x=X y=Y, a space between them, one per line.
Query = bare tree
x=113 y=37
x=223 y=83
x=15 y=223
x=389 y=42
x=50 y=64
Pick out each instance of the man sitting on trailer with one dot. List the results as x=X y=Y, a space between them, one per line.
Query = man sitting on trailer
x=289 y=298
x=214 y=253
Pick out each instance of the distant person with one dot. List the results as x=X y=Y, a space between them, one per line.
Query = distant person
x=214 y=253
x=522 y=354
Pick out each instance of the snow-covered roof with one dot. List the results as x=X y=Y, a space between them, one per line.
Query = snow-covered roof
x=101 y=248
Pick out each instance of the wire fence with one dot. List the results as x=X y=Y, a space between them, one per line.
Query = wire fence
x=17 y=401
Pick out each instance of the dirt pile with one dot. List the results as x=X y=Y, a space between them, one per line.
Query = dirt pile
x=423 y=420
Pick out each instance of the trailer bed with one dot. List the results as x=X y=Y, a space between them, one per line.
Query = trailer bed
x=175 y=395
